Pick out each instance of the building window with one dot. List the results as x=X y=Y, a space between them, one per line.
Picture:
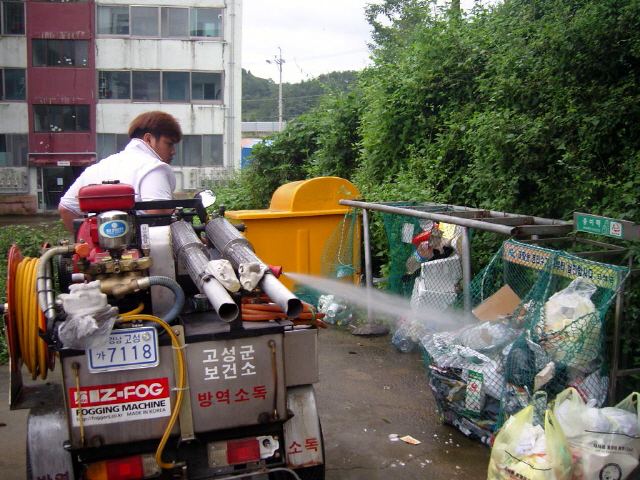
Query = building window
x=175 y=86
x=12 y=18
x=13 y=84
x=110 y=143
x=13 y=150
x=206 y=86
x=144 y=21
x=60 y=53
x=113 y=20
x=61 y=118
x=145 y=85
x=206 y=22
x=114 y=85
x=175 y=22
x=199 y=151
x=165 y=22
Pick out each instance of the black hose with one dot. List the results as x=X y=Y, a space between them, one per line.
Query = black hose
x=172 y=285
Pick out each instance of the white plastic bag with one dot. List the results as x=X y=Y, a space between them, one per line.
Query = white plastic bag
x=604 y=441
x=570 y=320
x=522 y=450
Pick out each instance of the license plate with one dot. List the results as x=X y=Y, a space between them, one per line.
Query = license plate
x=127 y=349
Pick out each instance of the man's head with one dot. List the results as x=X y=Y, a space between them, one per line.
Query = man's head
x=159 y=130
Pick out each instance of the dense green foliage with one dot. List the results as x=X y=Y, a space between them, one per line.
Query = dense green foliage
x=260 y=95
x=530 y=106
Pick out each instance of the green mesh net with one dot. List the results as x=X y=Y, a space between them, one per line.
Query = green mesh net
x=553 y=337
x=431 y=281
x=400 y=230
x=341 y=255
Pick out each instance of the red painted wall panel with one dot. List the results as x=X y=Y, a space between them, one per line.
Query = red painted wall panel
x=61 y=85
x=60 y=20
x=61 y=142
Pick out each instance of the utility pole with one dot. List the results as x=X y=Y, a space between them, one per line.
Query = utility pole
x=279 y=61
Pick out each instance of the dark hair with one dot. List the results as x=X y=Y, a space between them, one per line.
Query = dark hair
x=156 y=123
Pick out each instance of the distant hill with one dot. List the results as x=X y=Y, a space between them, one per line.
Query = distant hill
x=260 y=95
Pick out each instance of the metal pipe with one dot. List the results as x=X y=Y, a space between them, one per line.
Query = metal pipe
x=498 y=214
x=188 y=249
x=238 y=250
x=615 y=361
x=466 y=266
x=368 y=268
x=281 y=296
x=44 y=279
x=464 y=222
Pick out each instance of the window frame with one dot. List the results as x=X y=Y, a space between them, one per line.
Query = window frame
x=10 y=141
x=162 y=89
x=60 y=118
x=168 y=11
x=111 y=26
x=60 y=43
x=145 y=7
x=178 y=160
x=3 y=85
x=219 y=14
x=3 y=19
x=118 y=142
x=109 y=87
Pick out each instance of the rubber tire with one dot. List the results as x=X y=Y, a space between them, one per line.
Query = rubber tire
x=317 y=472
x=29 y=471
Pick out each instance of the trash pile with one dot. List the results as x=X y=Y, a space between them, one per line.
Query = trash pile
x=536 y=328
x=337 y=311
x=434 y=268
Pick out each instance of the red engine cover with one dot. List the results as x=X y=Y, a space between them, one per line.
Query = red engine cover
x=106 y=196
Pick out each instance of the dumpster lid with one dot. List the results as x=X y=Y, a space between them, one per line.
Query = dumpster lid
x=317 y=196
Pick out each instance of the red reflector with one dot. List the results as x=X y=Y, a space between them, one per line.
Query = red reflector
x=129 y=468
x=243 y=451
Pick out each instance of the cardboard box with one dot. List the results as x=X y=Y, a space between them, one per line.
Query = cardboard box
x=501 y=303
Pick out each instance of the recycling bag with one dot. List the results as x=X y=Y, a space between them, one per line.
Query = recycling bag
x=523 y=450
x=605 y=442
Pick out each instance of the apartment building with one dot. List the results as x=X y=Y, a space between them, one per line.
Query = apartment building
x=73 y=74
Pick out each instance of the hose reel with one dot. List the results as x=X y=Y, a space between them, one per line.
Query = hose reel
x=24 y=318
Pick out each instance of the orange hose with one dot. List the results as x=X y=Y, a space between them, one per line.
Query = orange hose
x=258 y=312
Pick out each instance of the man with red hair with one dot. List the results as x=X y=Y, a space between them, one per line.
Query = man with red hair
x=143 y=164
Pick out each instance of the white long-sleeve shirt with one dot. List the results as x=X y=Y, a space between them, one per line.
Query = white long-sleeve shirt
x=137 y=165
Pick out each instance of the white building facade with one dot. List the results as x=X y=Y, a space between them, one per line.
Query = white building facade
x=104 y=63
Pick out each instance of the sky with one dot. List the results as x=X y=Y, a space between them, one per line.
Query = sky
x=314 y=37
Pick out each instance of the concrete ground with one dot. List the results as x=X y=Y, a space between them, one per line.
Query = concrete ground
x=367 y=391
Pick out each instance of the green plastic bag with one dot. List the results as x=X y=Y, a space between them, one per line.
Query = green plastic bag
x=523 y=451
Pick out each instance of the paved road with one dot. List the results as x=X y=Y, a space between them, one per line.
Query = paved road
x=367 y=391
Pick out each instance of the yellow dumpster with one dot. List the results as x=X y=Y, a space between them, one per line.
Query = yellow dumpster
x=293 y=231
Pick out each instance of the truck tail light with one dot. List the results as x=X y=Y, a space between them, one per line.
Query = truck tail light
x=245 y=450
x=127 y=468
